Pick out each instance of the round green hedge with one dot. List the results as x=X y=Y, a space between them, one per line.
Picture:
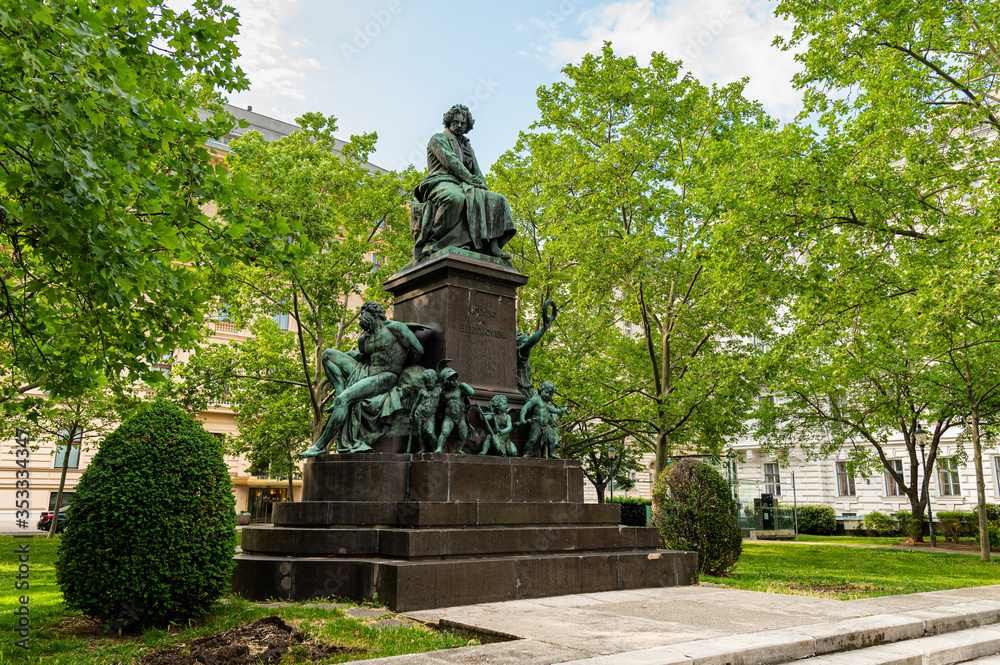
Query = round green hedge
x=696 y=512
x=153 y=534
x=817 y=520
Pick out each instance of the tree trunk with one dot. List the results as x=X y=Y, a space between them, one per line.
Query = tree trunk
x=917 y=513
x=62 y=483
x=984 y=527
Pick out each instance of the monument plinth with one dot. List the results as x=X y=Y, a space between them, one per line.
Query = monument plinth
x=471 y=303
x=435 y=530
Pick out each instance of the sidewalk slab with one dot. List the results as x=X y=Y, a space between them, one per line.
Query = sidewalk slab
x=712 y=625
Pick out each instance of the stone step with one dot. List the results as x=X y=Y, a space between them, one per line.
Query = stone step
x=442 y=514
x=412 y=544
x=934 y=636
x=417 y=585
x=945 y=649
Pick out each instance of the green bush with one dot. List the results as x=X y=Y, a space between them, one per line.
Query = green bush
x=817 y=520
x=153 y=534
x=880 y=523
x=992 y=512
x=994 y=531
x=696 y=512
x=913 y=528
x=633 y=509
x=957 y=524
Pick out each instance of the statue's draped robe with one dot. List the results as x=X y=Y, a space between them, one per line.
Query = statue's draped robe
x=448 y=185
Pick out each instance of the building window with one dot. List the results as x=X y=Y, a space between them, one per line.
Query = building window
x=67 y=498
x=163 y=365
x=376 y=262
x=845 y=481
x=281 y=320
x=996 y=474
x=772 y=479
x=74 y=454
x=892 y=488
x=948 y=476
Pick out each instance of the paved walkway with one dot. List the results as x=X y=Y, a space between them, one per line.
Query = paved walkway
x=627 y=623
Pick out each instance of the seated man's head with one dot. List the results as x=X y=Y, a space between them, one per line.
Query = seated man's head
x=371 y=312
x=458 y=119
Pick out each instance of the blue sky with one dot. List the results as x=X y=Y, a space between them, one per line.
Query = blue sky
x=395 y=66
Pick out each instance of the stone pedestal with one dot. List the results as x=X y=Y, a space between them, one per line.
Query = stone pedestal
x=471 y=304
x=427 y=531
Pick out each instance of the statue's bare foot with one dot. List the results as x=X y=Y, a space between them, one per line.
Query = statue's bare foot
x=317 y=448
x=512 y=451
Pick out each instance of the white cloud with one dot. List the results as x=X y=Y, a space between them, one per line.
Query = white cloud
x=267 y=55
x=720 y=41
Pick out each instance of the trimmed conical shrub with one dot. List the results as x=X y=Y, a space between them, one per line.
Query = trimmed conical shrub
x=153 y=533
x=696 y=512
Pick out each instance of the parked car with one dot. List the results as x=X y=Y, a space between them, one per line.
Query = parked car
x=46 y=521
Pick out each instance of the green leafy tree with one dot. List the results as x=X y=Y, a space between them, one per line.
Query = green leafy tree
x=354 y=232
x=66 y=422
x=103 y=178
x=612 y=192
x=848 y=387
x=881 y=201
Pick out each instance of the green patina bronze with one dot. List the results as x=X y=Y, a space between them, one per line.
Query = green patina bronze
x=543 y=441
x=367 y=382
x=524 y=346
x=498 y=427
x=455 y=408
x=455 y=209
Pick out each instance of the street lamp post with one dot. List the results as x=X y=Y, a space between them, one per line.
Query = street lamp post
x=921 y=437
x=611 y=478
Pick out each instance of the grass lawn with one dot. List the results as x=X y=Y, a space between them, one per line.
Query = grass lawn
x=62 y=635
x=853 y=572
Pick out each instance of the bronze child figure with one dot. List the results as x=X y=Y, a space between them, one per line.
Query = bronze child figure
x=423 y=415
x=498 y=425
x=544 y=427
x=455 y=404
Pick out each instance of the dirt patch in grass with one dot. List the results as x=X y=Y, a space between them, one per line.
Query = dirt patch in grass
x=264 y=641
x=832 y=589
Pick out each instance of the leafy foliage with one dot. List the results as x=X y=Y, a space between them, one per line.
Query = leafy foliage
x=612 y=191
x=153 y=532
x=866 y=213
x=880 y=523
x=696 y=512
x=817 y=520
x=104 y=177
x=353 y=232
x=633 y=509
